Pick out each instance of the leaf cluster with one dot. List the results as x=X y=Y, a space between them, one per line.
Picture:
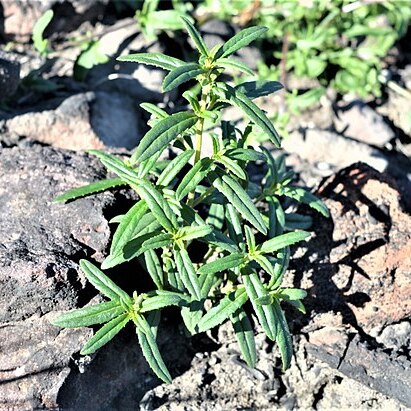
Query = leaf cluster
x=213 y=240
x=341 y=43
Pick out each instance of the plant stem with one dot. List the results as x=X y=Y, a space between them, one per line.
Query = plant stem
x=198 y=138
x=200 y=198
x=200 y=129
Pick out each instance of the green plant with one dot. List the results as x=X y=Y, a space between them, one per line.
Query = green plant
x=343 y=43
x=151 y=20
x=41 y=44
x=89 y=57
x=241 y=223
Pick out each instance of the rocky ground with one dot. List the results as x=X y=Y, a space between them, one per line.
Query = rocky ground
x=352 y=349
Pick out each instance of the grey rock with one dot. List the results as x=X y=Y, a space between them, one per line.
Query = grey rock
x=41 y=243
x=376 y=369
x=83 y=121
x=359 y=121
x=398 y=105
x=119 y=377
x=325 y=146
x=136 y=80
x=9 y=75
x=359 y=271
x=396 y=336
x=216 y=32
x=212 y=383
x=115 y=119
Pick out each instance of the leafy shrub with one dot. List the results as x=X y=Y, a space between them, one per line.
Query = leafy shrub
x=210 y=237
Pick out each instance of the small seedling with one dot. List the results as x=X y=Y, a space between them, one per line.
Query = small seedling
x=195 y=199
x=40 y=43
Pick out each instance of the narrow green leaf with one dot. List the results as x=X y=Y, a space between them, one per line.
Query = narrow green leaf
x=172 y=276
x=265 y=314
x=283 y=336
x=105 y=334
x=280 y=267
x=245 y=154
x=234 y=226
x=153 y=319
x=153 y=266
x=193 y=232
x=225 y=308
x=265 y=300
x=286 y=177
x=191 y=180
x=253 y=112
x=236 y=195
x=125 y=232
x=240 y=40
x=276 y=216
x=102 y=283
x=147 y=165
x=187 y=273
x=265 y=264
x=89 y=189
x=195 y=36
x=181 y=75
x=160 y=298
x=163 y=132
x=38 y=30
x=157 y=241
x=304 y=196
x=158 y=205
x=207 y=282
x=153 y=59
x=255 y=89
x=236 y=65
x=294 y=221
x=145 y=242
x=174 y=167
x=147 y=224
x=291 y=294
x=157 y=112
x=272 y=172
x=150 y=350
x=94 y=314
x=222 y=264
x=245 y=336
x=298 y=305
x=191 y=315
x=277 y=243
x=280 y=162
x=250 y=238
x=117 y=219
x=117 y=166
x=220 y=240
x=215 y=216
x=192 y=98
x=232 y=167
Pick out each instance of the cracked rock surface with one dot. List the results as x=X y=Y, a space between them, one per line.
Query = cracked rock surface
x=40 y=245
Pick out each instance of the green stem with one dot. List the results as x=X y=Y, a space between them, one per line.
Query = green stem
x=199 y=138
x=193 y=203
x=200 y=129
